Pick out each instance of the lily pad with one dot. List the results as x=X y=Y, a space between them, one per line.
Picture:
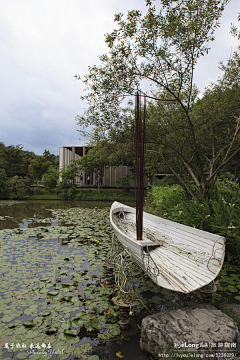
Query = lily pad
x=30 y=334
x=72 y=332
x=85 y=348
x=66 y=325
x=22 y=355
x=15 y=324
x=53 y=293
x=95 y=323
x=29 y=323
x=53 y=329
x=232 y=288
x=63 y=272
x=78 y=315
x=75 y=300
x=44 y=313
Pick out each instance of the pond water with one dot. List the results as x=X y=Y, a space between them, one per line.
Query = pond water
x=53 y=301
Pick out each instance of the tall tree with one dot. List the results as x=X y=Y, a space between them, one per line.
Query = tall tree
x=162 y=48
x=4 y=185
x=15 y=160
x=50 y=178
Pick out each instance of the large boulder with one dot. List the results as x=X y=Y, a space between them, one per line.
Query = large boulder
x=193 y=331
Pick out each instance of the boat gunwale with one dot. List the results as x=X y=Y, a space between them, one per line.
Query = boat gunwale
x=172 y=224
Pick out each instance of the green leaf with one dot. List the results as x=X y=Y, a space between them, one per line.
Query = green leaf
x=53 y=329
x=95 y=323
x=72 y=332
x=29 y=323
x=44 y=313
x=119 y=355
x=44 y=291
x=22 y=355
x=15 y=324
x=31 y=334
x=86 y=348
x=19 y=330
x=66 y=325
x=75 y=299
x=53 y=293
x=232 y=288
x=79 y=315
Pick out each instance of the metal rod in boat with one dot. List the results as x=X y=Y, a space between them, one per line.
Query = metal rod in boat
x=139 y=163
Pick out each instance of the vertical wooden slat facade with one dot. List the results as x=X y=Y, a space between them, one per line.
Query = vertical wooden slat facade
x=110 y=174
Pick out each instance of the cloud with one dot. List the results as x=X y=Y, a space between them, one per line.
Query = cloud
x=207 y=70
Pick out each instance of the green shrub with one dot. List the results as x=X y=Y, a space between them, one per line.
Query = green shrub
x=219 y=213
x=68 y=193
x=124 y=182
x=19 y=187
x=50 y=178
x=162 y=200
x=167 y=180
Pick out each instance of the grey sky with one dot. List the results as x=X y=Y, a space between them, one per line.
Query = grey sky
x=43 y=44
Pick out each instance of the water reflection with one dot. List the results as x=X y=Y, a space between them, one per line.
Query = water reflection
x=15 y=215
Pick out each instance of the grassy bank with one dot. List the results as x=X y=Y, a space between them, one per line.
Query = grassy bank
x=86 y=194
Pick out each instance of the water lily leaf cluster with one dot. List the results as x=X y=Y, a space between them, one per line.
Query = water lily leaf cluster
x=52 y=291
x=228 y=285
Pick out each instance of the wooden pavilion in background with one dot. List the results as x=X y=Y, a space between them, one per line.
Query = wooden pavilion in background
x=109 y=175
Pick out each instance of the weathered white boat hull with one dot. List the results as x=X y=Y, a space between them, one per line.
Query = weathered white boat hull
x=175 y=256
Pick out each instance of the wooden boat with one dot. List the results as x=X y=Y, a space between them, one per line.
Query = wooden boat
x=174 y=256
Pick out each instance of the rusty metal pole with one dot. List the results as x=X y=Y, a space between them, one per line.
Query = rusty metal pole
x=139 y=163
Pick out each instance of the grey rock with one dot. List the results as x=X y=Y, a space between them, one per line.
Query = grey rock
x=190 y=330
